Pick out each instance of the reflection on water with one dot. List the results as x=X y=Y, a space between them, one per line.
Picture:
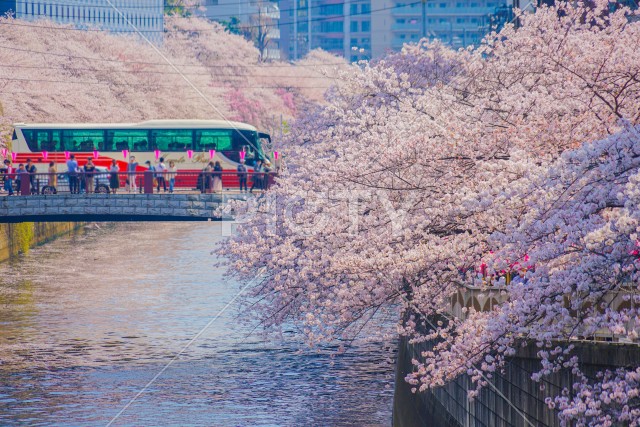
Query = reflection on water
x=87 y=321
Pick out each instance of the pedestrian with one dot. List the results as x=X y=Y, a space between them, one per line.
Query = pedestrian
x=89 y=171
x=171 y=174
x=32 y=171
x=266 y=168
x=22 y=174
x=208 y=178
x=53 y=175
x=9 y=175
x=242 y=176
x=257 y=176
x=72 y=168
x=161 y=171
x=132 y=167
x=114 y=178
x=217 y=178
x=152 y=169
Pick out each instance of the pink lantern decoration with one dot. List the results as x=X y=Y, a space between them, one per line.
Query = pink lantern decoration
x=13 y=156
x=212 y=153
x=242 y=155
x=157 y=153
x=4 y=152
x=67 y=155
x=96 y=154
x=190 y=154
x=275 y=155
x=45 y=155
x=125 y=154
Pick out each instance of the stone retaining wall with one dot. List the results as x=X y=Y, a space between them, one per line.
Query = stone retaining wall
x=523 y=402
x=122 y=207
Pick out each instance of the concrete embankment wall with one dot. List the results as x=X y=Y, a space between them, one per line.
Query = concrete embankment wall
x=513 y=401
x=19 y=238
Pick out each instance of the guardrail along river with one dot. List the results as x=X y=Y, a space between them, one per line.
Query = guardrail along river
x=87 y=321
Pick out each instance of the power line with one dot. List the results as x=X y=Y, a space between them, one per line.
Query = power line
x=279 y=24
x=204 y=15
x=164 y=64
x=160 y=72
x=154 y=85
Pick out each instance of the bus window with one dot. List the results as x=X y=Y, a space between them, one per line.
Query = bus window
x=56 y=140
x=82 y=140
x=171 y=140
x=219 y=140
x=135 y=140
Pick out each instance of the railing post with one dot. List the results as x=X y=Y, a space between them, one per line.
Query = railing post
x=25 y=185
x=148 y=182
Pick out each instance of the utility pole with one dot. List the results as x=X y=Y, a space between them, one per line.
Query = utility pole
x=295 y=30
x=424 y=18
x=309 y=25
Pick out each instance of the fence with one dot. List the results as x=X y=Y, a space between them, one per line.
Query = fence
x=102 y=181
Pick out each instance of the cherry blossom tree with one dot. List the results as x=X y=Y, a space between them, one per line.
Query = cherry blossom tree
x=54 y=72
x=521 y=154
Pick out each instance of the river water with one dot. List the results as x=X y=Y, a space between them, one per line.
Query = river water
x=86 y=322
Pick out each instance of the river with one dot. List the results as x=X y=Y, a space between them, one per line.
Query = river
x=87 y=321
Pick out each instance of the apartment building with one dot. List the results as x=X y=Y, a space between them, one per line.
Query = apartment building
x=146 y=15
x=364 y=29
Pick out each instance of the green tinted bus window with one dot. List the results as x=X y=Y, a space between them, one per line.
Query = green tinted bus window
x=171 y=140
x=82 y=140
x=56 y=140
x=133 y=140
x=219 y=140
x=28 y=136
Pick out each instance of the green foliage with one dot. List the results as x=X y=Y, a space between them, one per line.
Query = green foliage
x=176 y=7
x=232 y=25
x=23 y=235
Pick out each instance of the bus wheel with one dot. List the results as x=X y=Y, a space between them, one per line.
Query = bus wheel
x=48 y=189
x=102 y=189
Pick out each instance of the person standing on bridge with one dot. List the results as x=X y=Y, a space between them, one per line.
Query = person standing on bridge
x=21 y=174
x=257 y=176
x=9 y=175
x=32 y=171
x=161 y=171
x=171 y=174
x=53 y=175
x=131 y=174
x=114 y=178
x=207 y=178
x=242 y=176
x=217 y=178
x=72 y=167
x=89 y=171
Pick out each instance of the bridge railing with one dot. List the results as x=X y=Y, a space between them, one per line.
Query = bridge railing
x=145 y=182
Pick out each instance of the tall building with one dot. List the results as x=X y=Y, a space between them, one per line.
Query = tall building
x=364 y=29
x=257 y=20
x=146 y=15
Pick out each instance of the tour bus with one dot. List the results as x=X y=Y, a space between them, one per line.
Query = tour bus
x=189 y=143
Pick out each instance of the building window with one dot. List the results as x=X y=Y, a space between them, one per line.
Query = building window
x=460 y=21
x=443 y=5
x=366 y=26
x=365 y=8
x=354 y=9
x=211 y=3
x=331 y=9
x=354 y=26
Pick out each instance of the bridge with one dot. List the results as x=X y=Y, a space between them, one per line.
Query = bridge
x=113 y=207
